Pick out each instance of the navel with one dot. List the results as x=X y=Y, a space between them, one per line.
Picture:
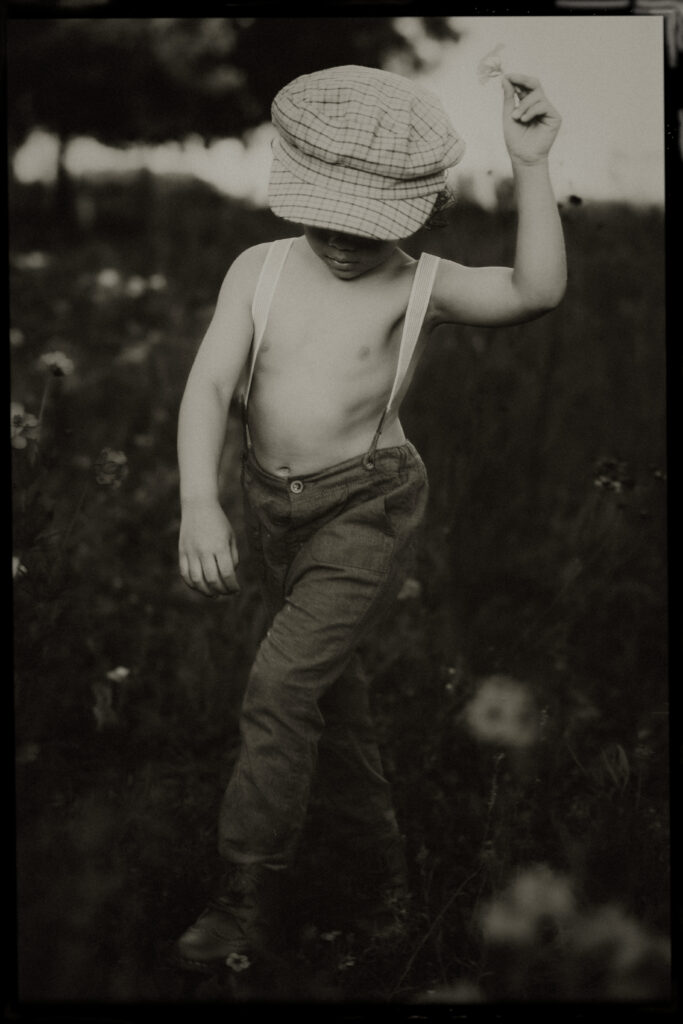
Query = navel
x=364 y=352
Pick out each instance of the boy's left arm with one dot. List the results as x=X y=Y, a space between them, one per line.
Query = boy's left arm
x=493 y=296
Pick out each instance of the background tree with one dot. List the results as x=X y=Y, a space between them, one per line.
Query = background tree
x=130 y=80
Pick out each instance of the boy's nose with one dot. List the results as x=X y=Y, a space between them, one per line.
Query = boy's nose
x=339 y=241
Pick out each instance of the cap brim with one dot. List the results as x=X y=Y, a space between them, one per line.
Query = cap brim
x=341 y=207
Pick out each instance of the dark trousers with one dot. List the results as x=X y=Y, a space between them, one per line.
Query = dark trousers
x=332 y=549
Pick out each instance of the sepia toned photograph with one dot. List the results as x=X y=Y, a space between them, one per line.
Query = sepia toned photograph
x=338 y=376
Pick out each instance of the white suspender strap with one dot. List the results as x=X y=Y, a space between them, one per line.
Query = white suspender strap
x=263 y=296
x=415 y=314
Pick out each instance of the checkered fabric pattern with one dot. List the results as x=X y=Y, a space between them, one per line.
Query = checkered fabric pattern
x=359 y=150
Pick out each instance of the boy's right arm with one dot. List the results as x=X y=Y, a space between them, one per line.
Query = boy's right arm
x=206 y=548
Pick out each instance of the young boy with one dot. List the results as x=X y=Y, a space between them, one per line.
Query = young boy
x=329 y=326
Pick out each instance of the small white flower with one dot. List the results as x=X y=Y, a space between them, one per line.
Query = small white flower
x=57 y=363
x=23 y=426
x=490 y=66
x=609 y=933
x=119 y=674
x=540 y=891
x=108 y=278
x=503 y=711
x=135 y=287
x=157 y=283
x=501 y=922
x=537 y=895
x=30 y=261
x=18 y=567
x=238 y=962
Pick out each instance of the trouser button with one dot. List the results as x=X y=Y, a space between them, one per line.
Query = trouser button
x=296 y=487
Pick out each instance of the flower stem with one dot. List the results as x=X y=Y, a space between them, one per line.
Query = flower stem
x=43 y=404
x=68 y=530
x=74 y=517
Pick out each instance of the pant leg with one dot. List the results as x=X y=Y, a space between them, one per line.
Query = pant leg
x=353 y=799
x=339 y=580
x=308 y=647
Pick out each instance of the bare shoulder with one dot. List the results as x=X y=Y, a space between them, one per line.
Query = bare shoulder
x=236 y=293
x=249 y=263
x=239 y=283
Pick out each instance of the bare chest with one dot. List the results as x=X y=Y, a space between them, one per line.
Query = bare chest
x=337 y=330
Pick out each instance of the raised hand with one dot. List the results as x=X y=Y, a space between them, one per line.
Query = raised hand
x=530 y=122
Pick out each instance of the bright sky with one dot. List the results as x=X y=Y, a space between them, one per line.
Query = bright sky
x=603 y=73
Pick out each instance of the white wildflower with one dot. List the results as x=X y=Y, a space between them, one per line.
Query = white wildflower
x=23 y=426
x=108 y=278
x=538 y=895
x=18 y=567
x=238 y=962
x=503 y=711
x=490 y=66
x=135 y=287
x=119 y=674
x=59 y=364
x=609 y=930
x=31 y=261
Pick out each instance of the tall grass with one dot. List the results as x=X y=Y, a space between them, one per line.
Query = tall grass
x=520 y=686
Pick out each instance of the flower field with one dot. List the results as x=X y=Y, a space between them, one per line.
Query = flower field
x=520 y=684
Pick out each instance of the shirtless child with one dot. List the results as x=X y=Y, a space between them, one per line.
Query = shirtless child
x=329 y=326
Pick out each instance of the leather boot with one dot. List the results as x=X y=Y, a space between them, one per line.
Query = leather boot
x=239 y=923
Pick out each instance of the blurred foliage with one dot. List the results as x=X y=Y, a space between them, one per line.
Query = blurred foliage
x=153 y=79
x=519 y=685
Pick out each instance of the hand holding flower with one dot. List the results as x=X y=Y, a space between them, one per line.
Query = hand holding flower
x=530 y=122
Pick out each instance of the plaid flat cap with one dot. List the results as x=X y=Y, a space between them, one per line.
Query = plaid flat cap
x=361 y=151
